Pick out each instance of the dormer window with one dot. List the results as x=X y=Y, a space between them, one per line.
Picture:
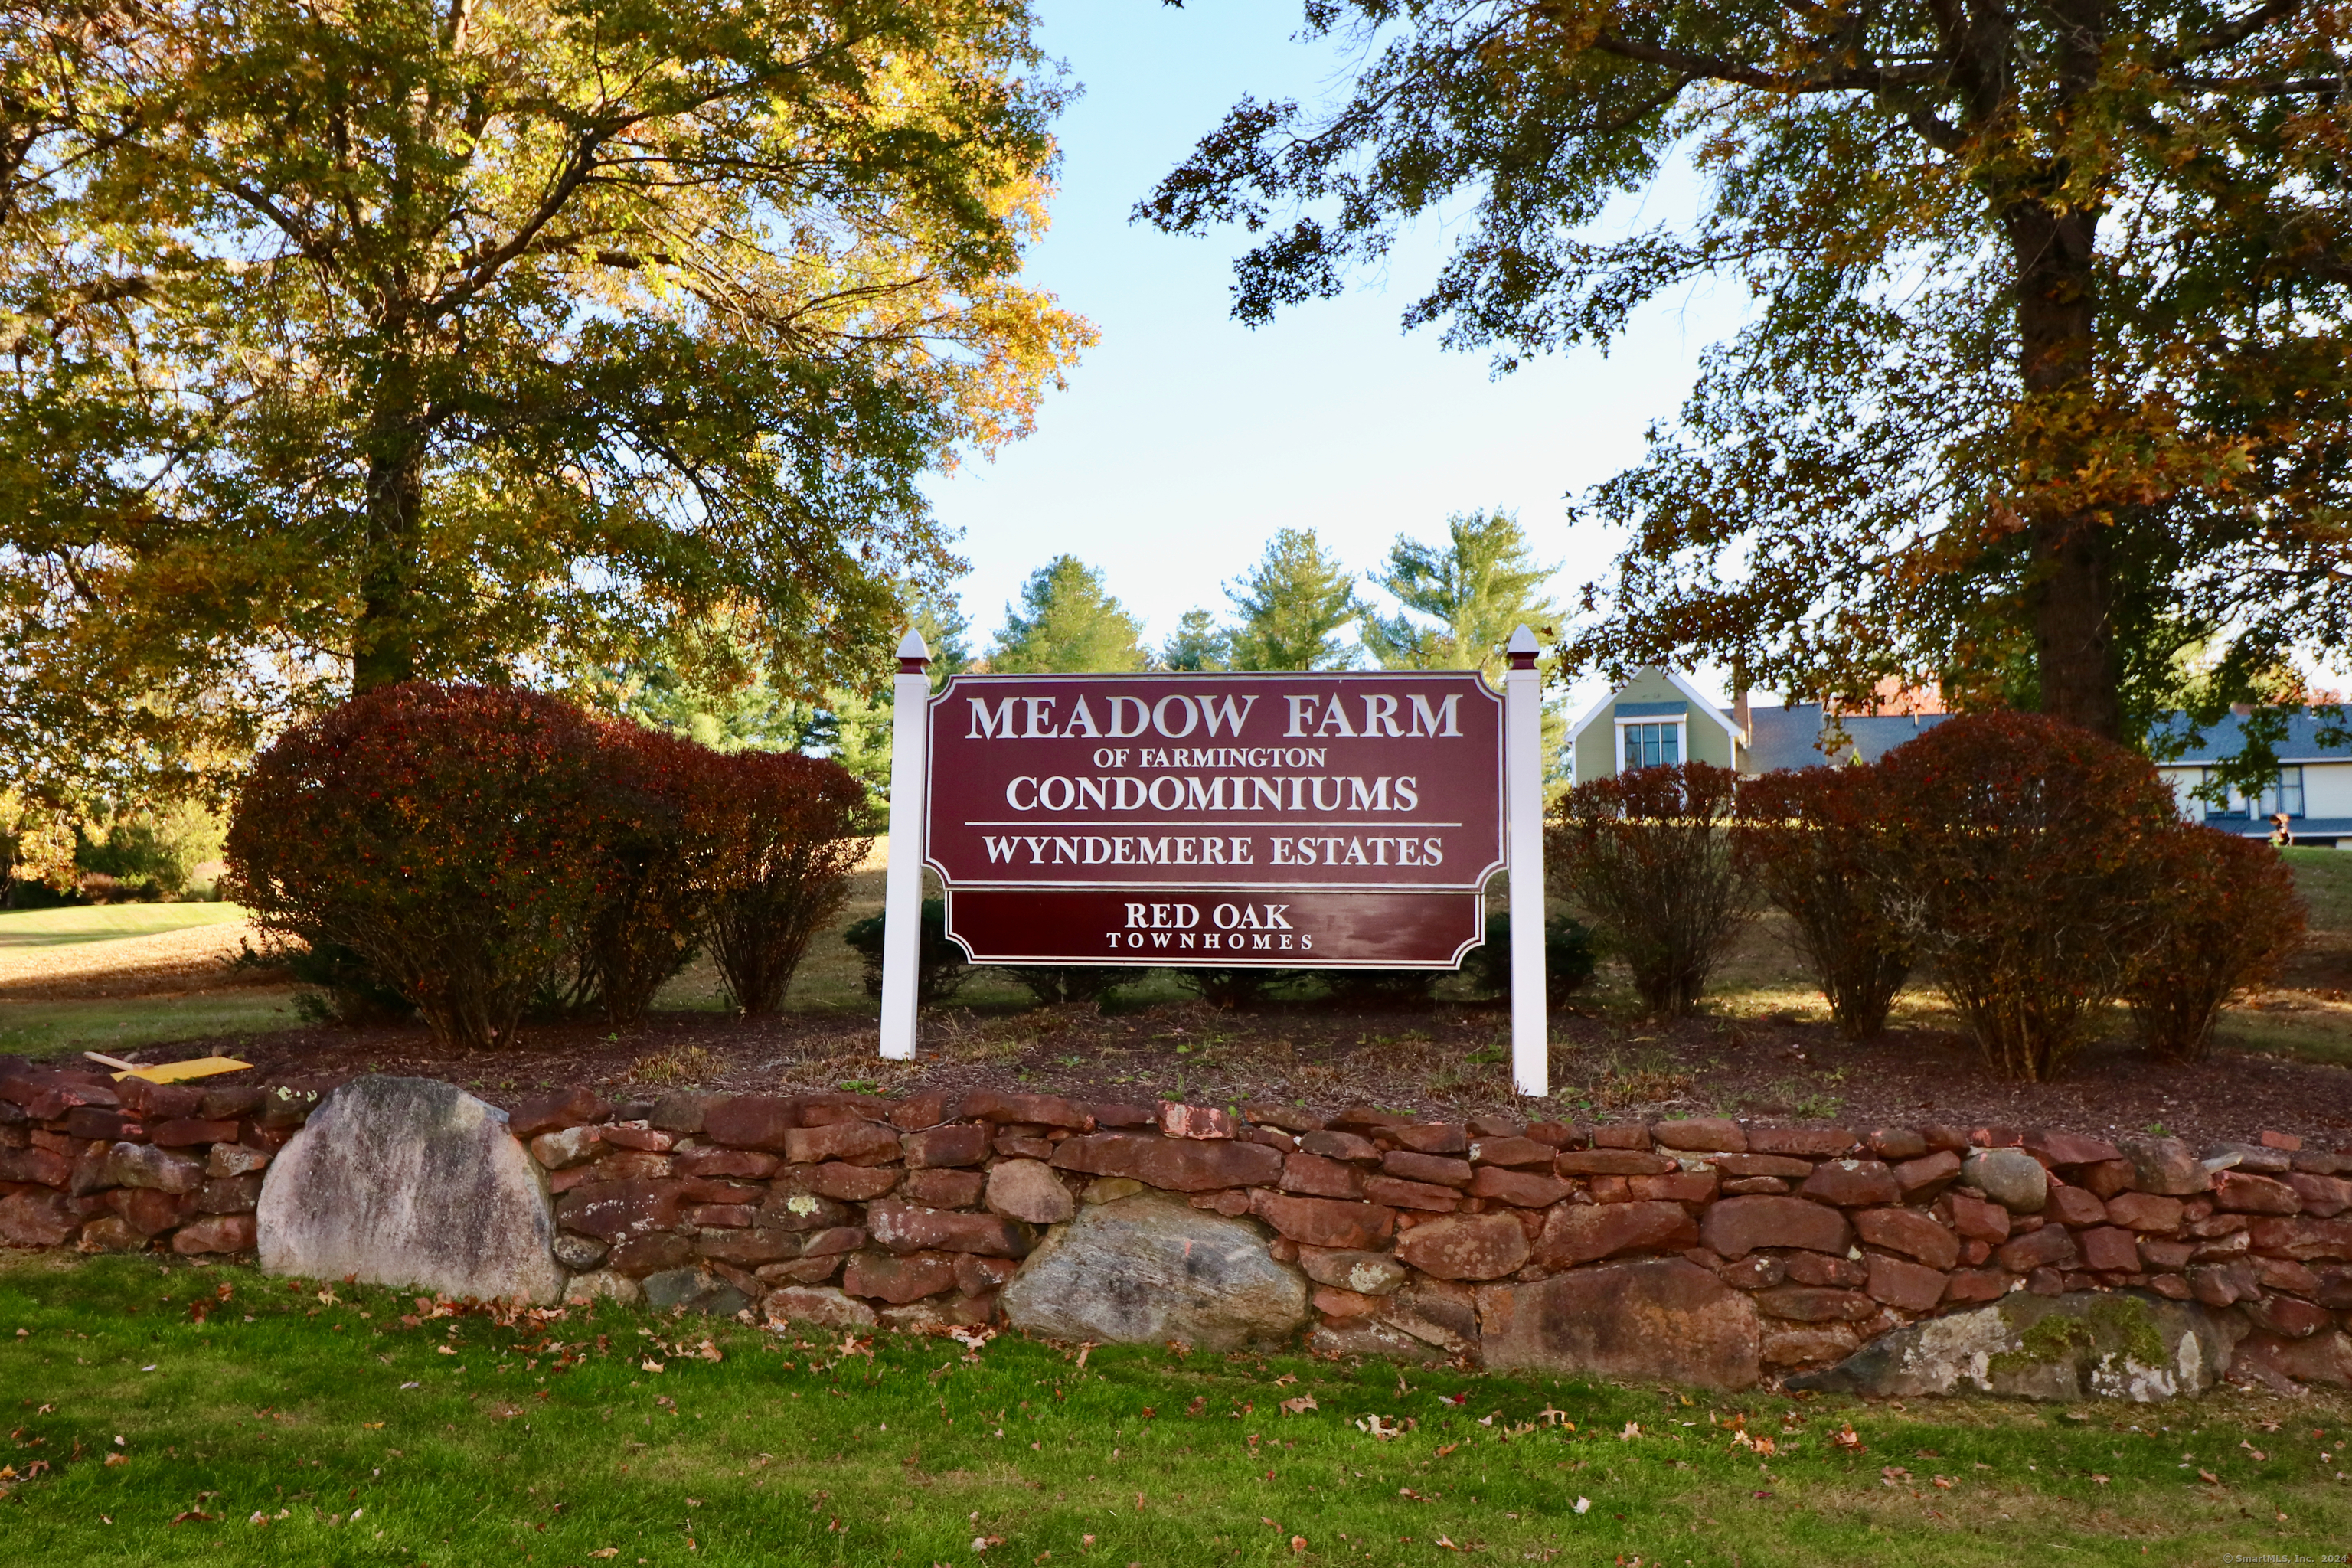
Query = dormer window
x=1649 y=744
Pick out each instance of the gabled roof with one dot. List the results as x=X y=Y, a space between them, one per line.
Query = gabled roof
x=1700 y=700
x=2225 y=737
x=1789 y=737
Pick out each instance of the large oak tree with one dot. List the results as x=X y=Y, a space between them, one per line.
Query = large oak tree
x=2044 y=388
x=347 y=341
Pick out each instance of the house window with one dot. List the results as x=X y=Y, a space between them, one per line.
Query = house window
x=2284 y=793
x=1651 y=745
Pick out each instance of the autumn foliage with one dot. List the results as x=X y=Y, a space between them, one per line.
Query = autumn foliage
x=1649 y=855
x=1810 y=840
x=483 y=849
x=451 y=836
x=2030 y=855
x=2230 y=916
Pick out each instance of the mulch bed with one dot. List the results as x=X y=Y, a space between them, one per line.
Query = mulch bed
x=1444 y=1062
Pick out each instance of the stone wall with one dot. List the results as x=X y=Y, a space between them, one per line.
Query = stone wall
x=1705 y=1251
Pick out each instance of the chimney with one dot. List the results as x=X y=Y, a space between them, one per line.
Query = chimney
x=1739 y=697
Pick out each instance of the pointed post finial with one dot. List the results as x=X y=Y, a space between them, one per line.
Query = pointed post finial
x=1522 y=648
x=914 y=653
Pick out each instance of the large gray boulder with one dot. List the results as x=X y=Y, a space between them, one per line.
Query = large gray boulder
x=408 y=1182
x=1152 y=1268
x=2122 y=1344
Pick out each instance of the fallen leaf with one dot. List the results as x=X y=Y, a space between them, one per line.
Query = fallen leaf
x=2208 y=1476
x=1583 y=1503
x=1300 y=1405
x=1848 y=1439
x=1632 y=1430
x=652 y=1365
x=1298 y=1543
x=116 y=1459
x=606 y=1552
x=196 y=1514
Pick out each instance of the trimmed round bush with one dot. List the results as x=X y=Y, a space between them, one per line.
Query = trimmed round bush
x=1648 y=856
x=2229 y=917
x=1811 y=839
x=2029 y=854
x=452 y=836
x=779 y=834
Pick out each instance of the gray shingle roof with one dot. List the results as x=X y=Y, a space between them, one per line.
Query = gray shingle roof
x=1788 y=737
x=2224 y=737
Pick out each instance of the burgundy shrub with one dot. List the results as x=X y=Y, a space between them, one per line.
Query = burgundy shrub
x=778 y=835
x=2228 y=919
x=1813 y=841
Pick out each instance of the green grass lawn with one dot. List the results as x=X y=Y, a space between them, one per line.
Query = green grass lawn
x=106 y=923
x=115 y=1025
x=298 y=1424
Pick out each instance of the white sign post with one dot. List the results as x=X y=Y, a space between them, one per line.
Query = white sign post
x=1523 y=809
x=902 y=903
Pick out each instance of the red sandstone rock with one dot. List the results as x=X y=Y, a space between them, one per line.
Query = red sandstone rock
x=898 y=1280
x=2166 y=1166
x=610 y=1210
x=749 y=1248
x=2051 y=1247
x=2244 y=1193
x=36 y=1219
x=1807 y=1344
x=1332 y=1145
x=1659 y=1319
x=215 y=1233
x=2061 y=1149
x=1755 y=1185
x=2144 y=1211
x=37 y=1166
x=1037 y=1110
x=1431 y=1138
x=552 y=1112
x=803 y=1211
x=1808 y=1304
x=1910 y=1232
x=2286 y=1140
x=1910 y=1286
x=943 y=1189
x=1176 y=1165
x=1397 y=1193
x=1513 y=1152
x=919 y=1112
x=1821 y=1269
x=1681 y=1186
x=2160 y=1254
x=187 y=1131
x=1622 y=1135
x=751 y=1121
x=1851 y=1183
x=1407 y=1166
x=2106 y=1178
x=905 y=1229
x=229 y=1194
x=959 y=1143
x=1526 y=1189
x=626 y=1135
x=1814 y=1142
x=1465 y=1246
x=1738 y=1225
x=2286 y=1317
x=834 y=1179
x=1977 y=1285
x=1320 y=1177
x=857 y=1143
x=1557 y=1134
x=1321 y=1222
x=2280 y=1274
x=632 y=1165
x=2324 y=1196
x=1178 y=1121
x=2110 y=1250
x=1704 y=1134
x=711 y=1190
x=1585 y=1233
x=1609 y=1162
x=2073 y=1205
x=748 y=1163
x=1781 y=1165
x=2303 y=1238
x=1758 y=1271
x=1979 y=1220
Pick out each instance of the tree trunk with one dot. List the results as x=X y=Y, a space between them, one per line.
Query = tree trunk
x=384 y=643
x=2071 y=591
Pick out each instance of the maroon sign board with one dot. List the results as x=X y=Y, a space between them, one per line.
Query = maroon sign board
x=1291 y=820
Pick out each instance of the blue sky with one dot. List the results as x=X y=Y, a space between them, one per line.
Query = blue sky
x=1186 y=440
